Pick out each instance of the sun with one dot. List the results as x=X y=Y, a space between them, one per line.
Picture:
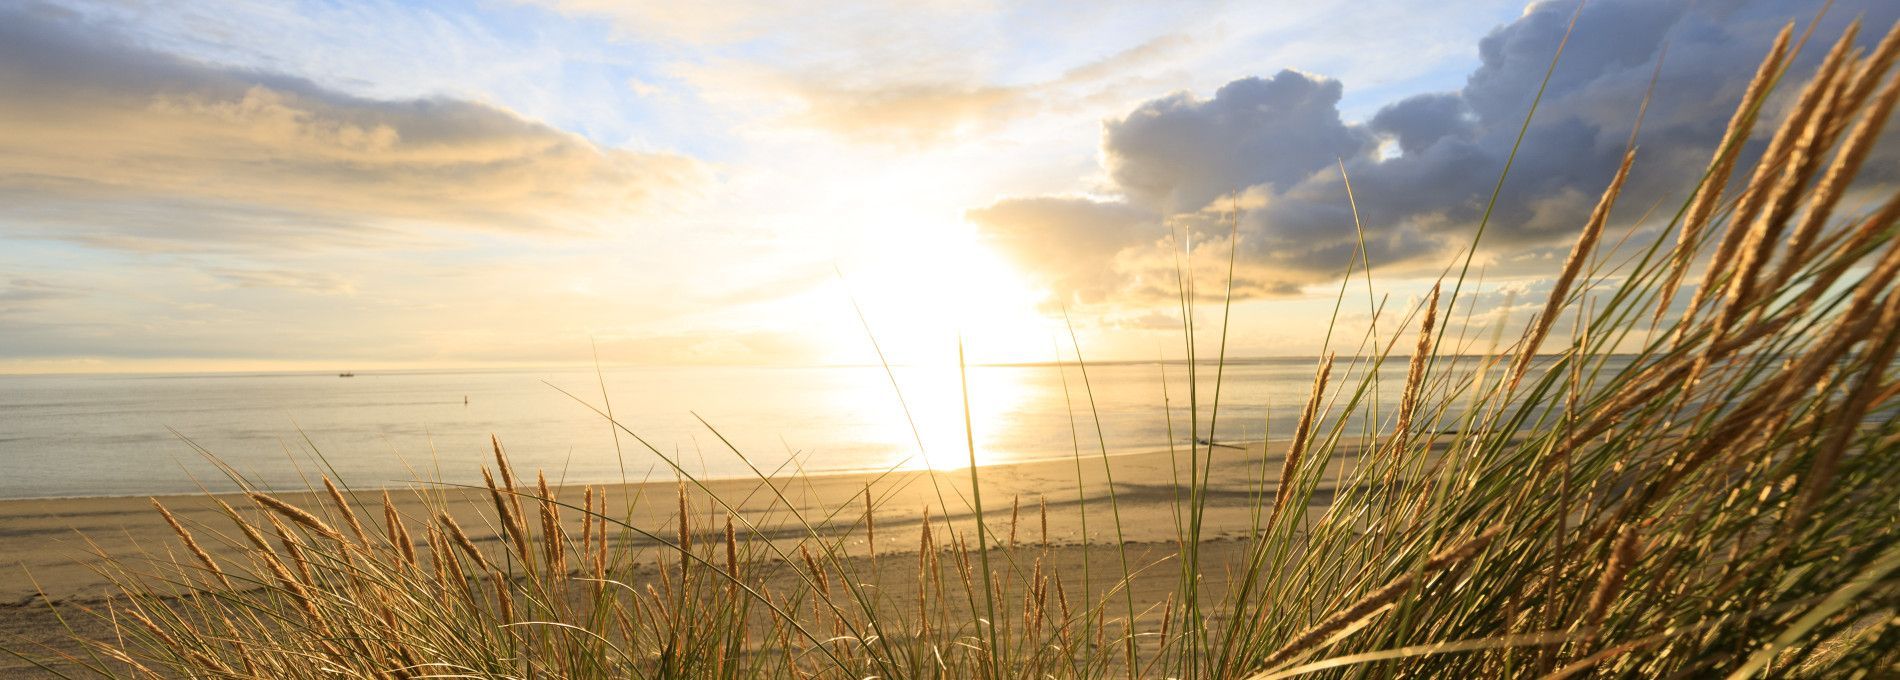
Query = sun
x=926 y=287
x=932 y=293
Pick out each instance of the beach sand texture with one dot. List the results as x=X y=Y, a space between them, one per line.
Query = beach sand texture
x=52 y=546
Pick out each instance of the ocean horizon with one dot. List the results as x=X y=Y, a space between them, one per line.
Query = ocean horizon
x=70 y=435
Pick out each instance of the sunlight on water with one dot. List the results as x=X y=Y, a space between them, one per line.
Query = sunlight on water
x=112 y=435
x=933 y=395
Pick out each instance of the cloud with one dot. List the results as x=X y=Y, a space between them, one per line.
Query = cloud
x=696 y=22
x=921 y=106
x=110 y=144
x=1180 y=152
x=1067 y=241
x=302 y=281
x=1089 y=251
x=21 y=292
x=644 y=88
x=1416 y=123
x=900 y=74
x=864 y=71
x=1423 y=168
x=904 y=104
x=906 y=111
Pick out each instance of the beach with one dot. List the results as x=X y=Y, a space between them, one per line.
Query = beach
x=916 y=341
x=57 y=541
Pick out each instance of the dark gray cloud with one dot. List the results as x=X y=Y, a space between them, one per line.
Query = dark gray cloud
x=1423 y=168
x=106 y=142
x=1416 y=123
x=1178 y=152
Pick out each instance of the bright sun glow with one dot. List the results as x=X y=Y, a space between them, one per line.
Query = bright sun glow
x=934 y=396
x=922 y=288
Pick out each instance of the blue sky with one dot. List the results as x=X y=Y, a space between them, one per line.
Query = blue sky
x=242 y=185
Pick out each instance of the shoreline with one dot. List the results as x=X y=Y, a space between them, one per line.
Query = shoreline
x=818 y=472
x=47 y=538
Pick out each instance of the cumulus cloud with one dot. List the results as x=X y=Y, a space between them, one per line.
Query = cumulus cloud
x=1416 y=123
x=1180 y=152
x=108 y=143
x=1423 y=167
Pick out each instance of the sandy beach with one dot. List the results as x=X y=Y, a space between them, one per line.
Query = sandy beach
x=51 y=546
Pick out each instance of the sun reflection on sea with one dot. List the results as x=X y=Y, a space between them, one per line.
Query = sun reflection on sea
x=933 y=394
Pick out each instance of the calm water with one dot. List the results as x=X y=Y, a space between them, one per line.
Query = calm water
x=126 y=434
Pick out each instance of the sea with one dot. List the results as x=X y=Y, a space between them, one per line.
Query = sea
x=151 y=434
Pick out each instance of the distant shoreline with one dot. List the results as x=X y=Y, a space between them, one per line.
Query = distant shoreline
x=368 y=372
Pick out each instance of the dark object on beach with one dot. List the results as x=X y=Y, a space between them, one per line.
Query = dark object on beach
x=346 y=374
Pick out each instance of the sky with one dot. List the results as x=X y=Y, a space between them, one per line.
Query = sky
x=234 y=185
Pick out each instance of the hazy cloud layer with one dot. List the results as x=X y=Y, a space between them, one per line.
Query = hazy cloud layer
x=21 y=292
x=1067 y=240
x=113 y=145
x=850 y=67
x=1423 y=167
x=923 y=73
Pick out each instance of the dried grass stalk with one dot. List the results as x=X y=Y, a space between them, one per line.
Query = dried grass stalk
x=298 y=515
x=1573 y=266
x=1377 y=599
x=349 y=514
x=454 y=531
x=511 y=523
x=398 y=533
x=191 y=544
x=1297 y=449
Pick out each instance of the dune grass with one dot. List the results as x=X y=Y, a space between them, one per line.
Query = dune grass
x=1685 y=465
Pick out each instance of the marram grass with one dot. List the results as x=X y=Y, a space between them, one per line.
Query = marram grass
x=1630 y=487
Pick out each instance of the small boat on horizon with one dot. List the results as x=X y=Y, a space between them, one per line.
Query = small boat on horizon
x=346 y=374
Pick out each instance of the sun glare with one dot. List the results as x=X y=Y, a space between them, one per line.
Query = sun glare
x=933 y=396
x=923 y=289
x=928 y=291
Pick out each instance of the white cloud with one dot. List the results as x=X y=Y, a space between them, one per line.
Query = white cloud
x=117 y=146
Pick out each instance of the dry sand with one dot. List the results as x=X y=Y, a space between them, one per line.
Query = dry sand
x=56 y=541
